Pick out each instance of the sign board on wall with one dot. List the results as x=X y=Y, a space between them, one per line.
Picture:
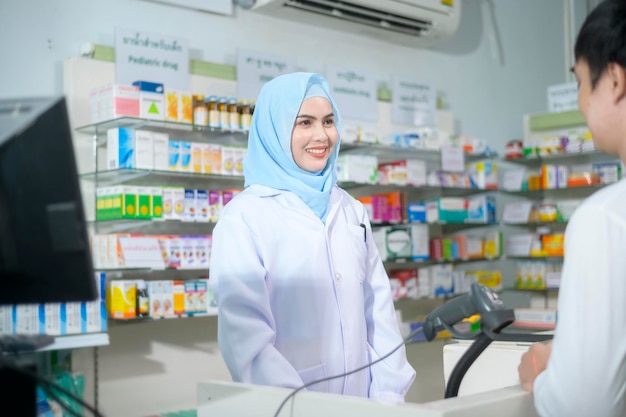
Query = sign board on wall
x=143 y=56
x=256 y=68
x=412 y=102
x=354 y=92
x=563 y=97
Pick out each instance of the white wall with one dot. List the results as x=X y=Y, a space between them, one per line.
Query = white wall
x=487 y=95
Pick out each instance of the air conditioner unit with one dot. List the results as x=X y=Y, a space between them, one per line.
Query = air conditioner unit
x=417 y=23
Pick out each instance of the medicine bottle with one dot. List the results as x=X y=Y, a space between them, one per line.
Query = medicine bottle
x=222 y=110
x=200 y=113
x=142 y=302
x=245 y=115
x=214 y=116
x=233 y=114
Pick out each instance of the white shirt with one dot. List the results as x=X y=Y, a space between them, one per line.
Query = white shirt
x=299 y=300
x=586 y=373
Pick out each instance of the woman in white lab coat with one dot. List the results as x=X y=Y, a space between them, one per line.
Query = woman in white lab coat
x=301 y=290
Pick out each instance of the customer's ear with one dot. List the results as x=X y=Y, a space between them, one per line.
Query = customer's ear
x=617 y=75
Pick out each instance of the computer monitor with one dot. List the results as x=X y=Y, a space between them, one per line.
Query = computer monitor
x=44 y=245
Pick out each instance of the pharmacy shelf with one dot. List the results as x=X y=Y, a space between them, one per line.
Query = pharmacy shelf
x=409 y=263
x=147 y=177
x=388 y=153
x=561 y=158
x=212 y=312
x=173 y=227
x=531 y=290
x=569 y=192
x=536 y=224
x=426 y=190
x=78 y=341
x=191 y=132
x=446 y=227
x=535 y=258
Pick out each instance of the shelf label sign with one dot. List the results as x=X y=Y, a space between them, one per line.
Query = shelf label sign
x=412 y=102
x=517 y=212
x=256 y=68
x=355 y=93
x=452 y=159
x=141 y=252
x=562 y=97
x=143 y=56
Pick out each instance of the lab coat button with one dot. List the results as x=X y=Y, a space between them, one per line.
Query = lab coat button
x=338 y=276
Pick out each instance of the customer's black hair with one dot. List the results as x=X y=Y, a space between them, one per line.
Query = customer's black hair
x=602 y=38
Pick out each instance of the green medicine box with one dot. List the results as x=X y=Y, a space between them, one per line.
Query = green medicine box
x=116 y=203
x=156 y=203
x=144 y=202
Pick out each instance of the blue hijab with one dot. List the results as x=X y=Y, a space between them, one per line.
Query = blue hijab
x=268 y=160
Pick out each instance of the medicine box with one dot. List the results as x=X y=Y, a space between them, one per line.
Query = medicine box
x=357 y=168
x=151 y=100
x=144 y=149
x=481 y=209
x=144 y=202
x=160 y=155
x=156 y=203
x=446 y=209
x=184 y=156
x=112 y=101
x=120 y=148
x=118 y=202
x=121 y=299
x=174 y=155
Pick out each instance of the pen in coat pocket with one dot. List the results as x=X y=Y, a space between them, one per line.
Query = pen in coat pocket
x=364 y=232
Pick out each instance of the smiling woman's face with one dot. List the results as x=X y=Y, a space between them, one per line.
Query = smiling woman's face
x=314 y=134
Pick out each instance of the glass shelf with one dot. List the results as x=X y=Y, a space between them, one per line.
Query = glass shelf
x=211 y=312
x=569 y=192
x=78 y=341
x=536 y=224
x=535 y=258
x=569 y=158
x=388 y=153
x=535 y=290
x=174 y=129
x=146 y=177
x=429 y=262
x=175 y=227
x=445 y=226
x=425 y=189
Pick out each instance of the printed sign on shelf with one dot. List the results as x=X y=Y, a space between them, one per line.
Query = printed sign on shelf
x=563 y=97
x=256 y=68
x=452 y=159
x=354 y=92
x=412 y=102
x=143 y=56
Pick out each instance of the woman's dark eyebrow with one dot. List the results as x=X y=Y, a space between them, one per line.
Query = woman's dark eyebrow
x=313 y=117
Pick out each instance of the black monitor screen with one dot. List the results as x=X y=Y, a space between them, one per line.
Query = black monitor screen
x=44 y=246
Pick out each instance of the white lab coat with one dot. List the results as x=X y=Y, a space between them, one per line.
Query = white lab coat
x=299 y=300
x=586 y=373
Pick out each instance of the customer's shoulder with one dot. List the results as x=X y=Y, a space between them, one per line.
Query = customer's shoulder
x=610 y=200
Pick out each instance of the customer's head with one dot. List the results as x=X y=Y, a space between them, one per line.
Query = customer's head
x=294 y=138
x=600 y=69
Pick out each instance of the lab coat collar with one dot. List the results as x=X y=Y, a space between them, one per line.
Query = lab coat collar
x=265 y=191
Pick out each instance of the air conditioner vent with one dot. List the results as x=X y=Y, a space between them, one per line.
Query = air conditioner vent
x=345 y=10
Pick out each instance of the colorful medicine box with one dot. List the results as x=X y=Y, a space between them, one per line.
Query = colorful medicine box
x=151 y=100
